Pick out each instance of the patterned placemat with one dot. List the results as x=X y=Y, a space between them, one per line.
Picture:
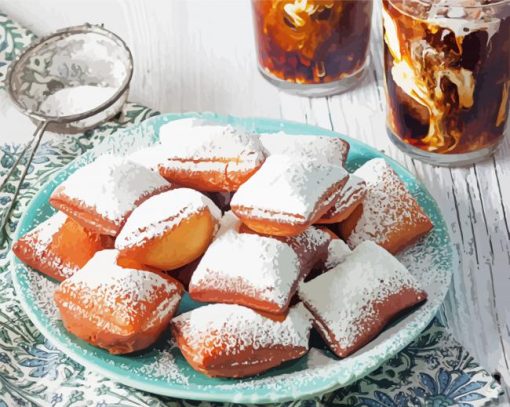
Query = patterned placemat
x=435 y=370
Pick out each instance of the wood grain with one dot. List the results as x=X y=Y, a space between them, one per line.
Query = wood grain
x=198 y=55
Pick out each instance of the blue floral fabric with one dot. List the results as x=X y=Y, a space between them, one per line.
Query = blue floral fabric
x=434 y=370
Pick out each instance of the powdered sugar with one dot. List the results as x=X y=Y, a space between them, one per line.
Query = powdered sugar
x=233 y=328
x=40 y=238
x=47 y=230
x=229 y=221
x=258 y=266
x=288 y=187
x=111 y=186
x=387 y=204
x=209 y=147
x=162 y=213
x=353 y=192
x=337 y=253
x=309 y=240
x=149 y=157
x=344 y=297
x=330 y=150
x=76 y=100
x=124 y=294
x=164 y=367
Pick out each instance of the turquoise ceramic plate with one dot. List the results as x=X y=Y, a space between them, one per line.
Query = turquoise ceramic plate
x=163 y=370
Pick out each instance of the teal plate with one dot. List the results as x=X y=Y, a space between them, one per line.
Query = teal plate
x=162 y=369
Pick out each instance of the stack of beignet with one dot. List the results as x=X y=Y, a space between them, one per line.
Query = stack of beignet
x=135 y=232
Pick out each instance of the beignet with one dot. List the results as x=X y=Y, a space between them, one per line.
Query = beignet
x=331 y=150
x=101 y=195
x=119 y=309
x=212 y=158
x=287 y=195
x=352 y=196
x=58 y=247
x=223 y=340
x=256 y=271
x=389 y=215
x=169 y=230
x=353 y=302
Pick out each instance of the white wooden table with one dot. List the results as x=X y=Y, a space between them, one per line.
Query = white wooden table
x=198 y=55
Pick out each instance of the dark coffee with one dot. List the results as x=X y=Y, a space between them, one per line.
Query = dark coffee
x=447 y=66
x=314 y=41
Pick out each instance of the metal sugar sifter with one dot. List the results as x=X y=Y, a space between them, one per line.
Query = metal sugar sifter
x=67 y=82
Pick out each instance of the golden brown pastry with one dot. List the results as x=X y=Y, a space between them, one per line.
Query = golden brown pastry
x=120 y=309
x=389 y=215
x=287 y=195
x=256 y=271
x=169 y=230
x=59 y=246
x=223 y=340
x=101 y=195
x=208 y=157
x=353 y=302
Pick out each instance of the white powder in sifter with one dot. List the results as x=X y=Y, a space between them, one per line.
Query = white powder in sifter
x=75 y=100
x=254 y=265
x=343 y=298
x=233 y=328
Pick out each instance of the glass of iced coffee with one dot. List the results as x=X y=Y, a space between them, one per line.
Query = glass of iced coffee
x=312 y=47
x=447 y=72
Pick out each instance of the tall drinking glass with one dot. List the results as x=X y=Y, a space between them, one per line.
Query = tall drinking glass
x=312 y=47
x=447 y=71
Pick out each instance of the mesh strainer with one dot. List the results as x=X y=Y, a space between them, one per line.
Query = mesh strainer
x=88 y=57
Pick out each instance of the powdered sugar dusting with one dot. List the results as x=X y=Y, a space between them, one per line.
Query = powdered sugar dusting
x=112 y=185
x=309 y=240
x=353 y=192
x=343 y=297
x=234 y=327
x=254 y=265
x=332 y=150
x=386 y=206
x=45 y=231
x=40 y=238
x=337 y=253
x=161 y=213
x=229 y=221
x=124 y=294
x=287 y=185
x=164 y=367
x=149 y=157
x=202 y=146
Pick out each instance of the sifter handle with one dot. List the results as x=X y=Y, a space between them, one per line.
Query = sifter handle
x=39 y=131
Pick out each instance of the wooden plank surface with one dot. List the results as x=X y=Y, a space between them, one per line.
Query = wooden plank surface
x=198 y=55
